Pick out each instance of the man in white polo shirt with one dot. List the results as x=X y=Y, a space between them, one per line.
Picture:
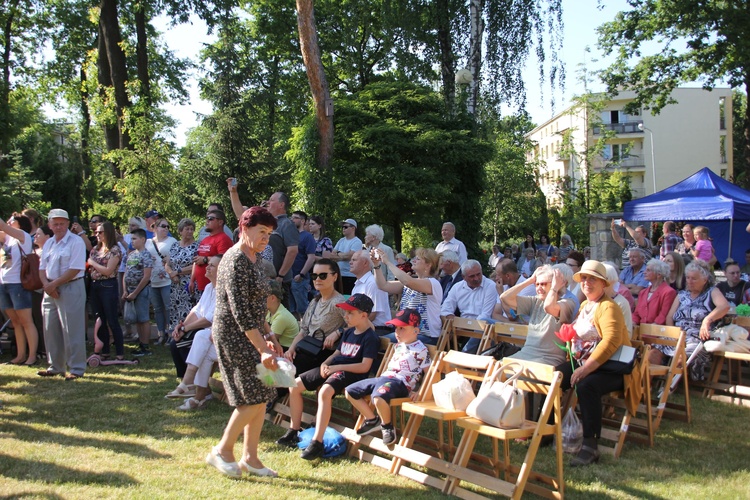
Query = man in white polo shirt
x=448 y=232
x=64 y=304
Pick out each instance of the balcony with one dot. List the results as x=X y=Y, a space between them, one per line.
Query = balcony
x=631 y=163
x=619 y=128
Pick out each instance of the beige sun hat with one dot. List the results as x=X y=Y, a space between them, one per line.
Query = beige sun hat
x=592 y=268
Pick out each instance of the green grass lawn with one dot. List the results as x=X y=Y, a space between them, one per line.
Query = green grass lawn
x=113 y=435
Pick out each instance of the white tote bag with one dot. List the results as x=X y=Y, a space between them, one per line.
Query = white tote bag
x=454 y=392
x=500 y=404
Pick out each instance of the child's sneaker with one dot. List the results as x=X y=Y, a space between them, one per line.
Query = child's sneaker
x=142 y=351
x=389 y=435
x=290 y=439
x=369 y=426
x=314 y=450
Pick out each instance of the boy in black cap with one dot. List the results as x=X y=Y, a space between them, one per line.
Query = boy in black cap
x=350 y=363
x=409 y=361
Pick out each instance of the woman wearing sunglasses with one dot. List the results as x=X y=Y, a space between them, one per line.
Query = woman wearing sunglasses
x=322 y=320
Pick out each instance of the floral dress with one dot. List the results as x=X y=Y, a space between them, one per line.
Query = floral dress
x=180 y=300
x=241 y=291
x=689 y=317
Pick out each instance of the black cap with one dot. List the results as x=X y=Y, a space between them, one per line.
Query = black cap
x=358 y=301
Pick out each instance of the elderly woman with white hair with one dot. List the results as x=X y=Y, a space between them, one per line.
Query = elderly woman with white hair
x=695 y=310
x=613 y=277
x=547 y=311
x=374 y=239
x=655 y=300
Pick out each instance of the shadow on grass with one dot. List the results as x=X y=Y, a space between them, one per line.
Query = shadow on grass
x=46 y=472
x=27 y=433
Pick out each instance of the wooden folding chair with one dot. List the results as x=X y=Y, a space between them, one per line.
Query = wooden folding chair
x=536 y=378
x=466 y=328
x=617 y=423
x=471 y=366
x=443 y=341
x=506 y=332
x=671 y=336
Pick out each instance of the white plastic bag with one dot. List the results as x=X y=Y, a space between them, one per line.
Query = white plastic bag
x=284 y=376
x=572 y=433
x=129 y=314
x=453 y=392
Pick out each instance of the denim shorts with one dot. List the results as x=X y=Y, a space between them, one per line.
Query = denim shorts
x=142 y=303
x=14 y=296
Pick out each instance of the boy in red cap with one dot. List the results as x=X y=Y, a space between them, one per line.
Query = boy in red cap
x=350 y=363
x=410 y=360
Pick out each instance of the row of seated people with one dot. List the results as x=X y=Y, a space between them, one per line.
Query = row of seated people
x=600 y=323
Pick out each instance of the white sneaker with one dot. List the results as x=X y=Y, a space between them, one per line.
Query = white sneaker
x=230 y=469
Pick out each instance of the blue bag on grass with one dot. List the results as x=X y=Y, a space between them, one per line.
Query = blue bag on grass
x=334 y=443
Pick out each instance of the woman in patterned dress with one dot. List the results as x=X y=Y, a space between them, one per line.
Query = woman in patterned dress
x=179 y=267
x=695 y=310
x=239 y=319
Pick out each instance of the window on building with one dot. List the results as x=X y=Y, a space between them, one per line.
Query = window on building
x=723 y=148
x=722 y=119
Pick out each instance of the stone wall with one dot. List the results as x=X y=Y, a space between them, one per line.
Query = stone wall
x=603 y=246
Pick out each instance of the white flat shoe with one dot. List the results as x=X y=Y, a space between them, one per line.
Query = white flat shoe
x=182 y=391
x=265 y=471
x=230 y=469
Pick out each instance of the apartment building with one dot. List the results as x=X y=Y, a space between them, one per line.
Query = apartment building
x=655 y=151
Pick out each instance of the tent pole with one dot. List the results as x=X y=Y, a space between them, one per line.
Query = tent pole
x=731 y=226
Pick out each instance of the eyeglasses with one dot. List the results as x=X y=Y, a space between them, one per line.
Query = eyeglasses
x=164 y=226
x=322 y=276
x=210 y=218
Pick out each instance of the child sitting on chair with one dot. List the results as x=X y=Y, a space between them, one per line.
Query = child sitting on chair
x=350 y=363
x=410 y=359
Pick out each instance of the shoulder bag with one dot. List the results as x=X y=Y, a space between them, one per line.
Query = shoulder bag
x=309 y=344
x=30 y=279
x=500 y=404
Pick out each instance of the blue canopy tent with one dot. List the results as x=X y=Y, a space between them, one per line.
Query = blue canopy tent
x=706 y=199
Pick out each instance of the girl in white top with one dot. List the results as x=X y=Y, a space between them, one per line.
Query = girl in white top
x=15 y=301
x=161 y=284
x=422 y=293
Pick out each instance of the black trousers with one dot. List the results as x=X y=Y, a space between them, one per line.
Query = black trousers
x=590 y=391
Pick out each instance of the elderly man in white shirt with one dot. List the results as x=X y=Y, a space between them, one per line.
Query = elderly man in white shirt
x=374 y=239
x=361 y=265
x=451 y=243
x=474 y=297
x=61 y=270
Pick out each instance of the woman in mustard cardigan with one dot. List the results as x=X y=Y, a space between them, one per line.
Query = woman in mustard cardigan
x=600 y=331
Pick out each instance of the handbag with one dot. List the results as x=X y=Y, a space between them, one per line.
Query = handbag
x=501 y=350
x=30 y=279
x=500 y=404
x=454 y=392
x=310 y=345
x=621 y=362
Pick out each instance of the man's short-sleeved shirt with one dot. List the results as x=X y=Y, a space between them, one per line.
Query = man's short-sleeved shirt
x=284 y=236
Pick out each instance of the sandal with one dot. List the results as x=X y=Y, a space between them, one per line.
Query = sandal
x=182 y=391
x=586 y=456
x=194 y=404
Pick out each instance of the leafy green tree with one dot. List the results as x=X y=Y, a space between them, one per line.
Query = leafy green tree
x=739 y=141
x=19 y=190
x=512 y=203
x=398 y=159
x=702 y=41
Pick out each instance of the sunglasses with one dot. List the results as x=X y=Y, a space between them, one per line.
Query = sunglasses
x=345 y=227
x=98 y=232
x=322 y=276
x=210 y=218
x=164 y=226
x=95 y=221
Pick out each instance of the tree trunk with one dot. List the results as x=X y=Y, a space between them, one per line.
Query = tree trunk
x=447 y=59
x=111 y=134
x=142 y=53
x=110 y=30
x=85 y=127
x=308 y=37
x=476 y=9
x=5 y=84
x=273 y=84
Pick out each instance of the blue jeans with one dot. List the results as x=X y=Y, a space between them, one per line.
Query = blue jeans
x=298 y=300
x=160 y=299
x=105 y=302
